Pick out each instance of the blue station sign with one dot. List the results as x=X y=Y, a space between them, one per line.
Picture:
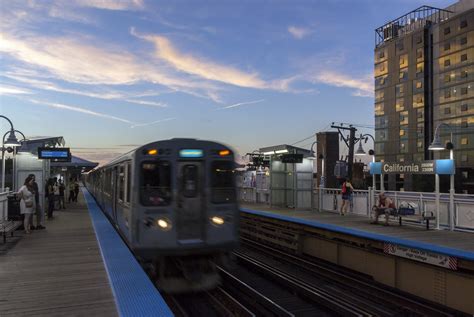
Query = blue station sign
x=440 y=167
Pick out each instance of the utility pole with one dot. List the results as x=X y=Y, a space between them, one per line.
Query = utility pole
x=350 y=142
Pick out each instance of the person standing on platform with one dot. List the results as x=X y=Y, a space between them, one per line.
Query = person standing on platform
x=76 y=190
x=39 y=210
x=71 y=190
x=26 y=194
x=346 y=192
x=62 y=188
x=50 y=195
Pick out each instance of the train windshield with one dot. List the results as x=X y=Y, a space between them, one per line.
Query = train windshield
x=222 y=182
x=155 y=183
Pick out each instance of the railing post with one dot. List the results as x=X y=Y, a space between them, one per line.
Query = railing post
x=320 y=199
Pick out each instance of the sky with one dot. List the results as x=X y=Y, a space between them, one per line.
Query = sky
x=109 y=76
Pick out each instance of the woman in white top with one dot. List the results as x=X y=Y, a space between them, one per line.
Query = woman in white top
x=27 y=202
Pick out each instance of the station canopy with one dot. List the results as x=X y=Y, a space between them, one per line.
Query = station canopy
x=76 y=163
x=284 y=148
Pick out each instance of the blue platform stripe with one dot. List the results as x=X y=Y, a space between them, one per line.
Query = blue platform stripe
x=369 y=235
x=134 y=293
x=375 y=168
x=444 y=167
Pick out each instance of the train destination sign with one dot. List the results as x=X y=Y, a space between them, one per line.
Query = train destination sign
x=54 y=154
x=441 y=167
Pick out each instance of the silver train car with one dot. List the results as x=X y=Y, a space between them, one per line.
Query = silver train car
x=174 y=203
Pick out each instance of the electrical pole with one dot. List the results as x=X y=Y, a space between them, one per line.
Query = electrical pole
x=350 y=142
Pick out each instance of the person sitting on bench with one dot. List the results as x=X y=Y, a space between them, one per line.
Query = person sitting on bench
x=385 y=206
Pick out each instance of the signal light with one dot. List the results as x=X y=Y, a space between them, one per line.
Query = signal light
x=224 y=152
x=152 y=152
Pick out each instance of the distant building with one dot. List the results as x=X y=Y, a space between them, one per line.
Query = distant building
x=424 y=76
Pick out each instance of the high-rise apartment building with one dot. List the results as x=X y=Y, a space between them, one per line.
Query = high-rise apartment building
x=424 y=76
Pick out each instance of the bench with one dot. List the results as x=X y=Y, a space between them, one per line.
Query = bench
x=406 y=211
x=8 y=227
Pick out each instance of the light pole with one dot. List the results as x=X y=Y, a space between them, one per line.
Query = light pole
x=322 y=182
x=360 y=151
x=10 y=142
x=437 y=146
x=14 y=155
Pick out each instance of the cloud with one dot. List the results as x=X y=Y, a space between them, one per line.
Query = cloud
x=363 y=87
x=120 y=5
x=299 y=32
x=242 y=103
x=11 y=90
x=148 y=103
x=151 y=123
x=200 y=66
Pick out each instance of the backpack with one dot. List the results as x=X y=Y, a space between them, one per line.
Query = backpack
x=344 y=188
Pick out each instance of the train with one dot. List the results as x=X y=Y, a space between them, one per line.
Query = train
x=174 y=202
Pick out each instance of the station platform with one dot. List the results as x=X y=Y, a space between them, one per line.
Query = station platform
x=77 y=266
x=437 y=265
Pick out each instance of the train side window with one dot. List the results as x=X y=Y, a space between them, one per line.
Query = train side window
x=222 y=182
x=189 y=184
x=155 y=183
x=121 y=182
x=128 y=188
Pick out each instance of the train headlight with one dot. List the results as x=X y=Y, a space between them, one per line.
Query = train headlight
x=164 y=224
x=217 y=220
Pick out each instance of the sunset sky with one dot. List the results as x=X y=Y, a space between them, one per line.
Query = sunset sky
x=111 y=75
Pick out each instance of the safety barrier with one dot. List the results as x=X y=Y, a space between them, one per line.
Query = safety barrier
x=329 y=199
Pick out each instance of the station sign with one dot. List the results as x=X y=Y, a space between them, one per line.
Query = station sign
x=54 y=154
x=437 y=259
x=440 y=167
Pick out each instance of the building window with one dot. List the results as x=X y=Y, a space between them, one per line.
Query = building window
x=463 y=57
x=464 y=141
x=399 y=105
x=399 y=90
x=400 y=46
x=419 y=54
x=419 y=40
x=447 y=30
x=379 y=95
x=447 y=78
x=463 y=90
x=447 y=93
x=447 y=110
x=465 y=174
x=463 y=40
x=419 y=68
x=464 y=158
x=419 y=84
x=464 y=107
x=419 y=144
x=402 y=132
x=404 y=117
x=463 y=24
x=379 y=109
x=419 y=114
x=403 y=75
x=464 y=123
x=464 y=74
x=447 y=46
x=381 y=54
x=447 y=62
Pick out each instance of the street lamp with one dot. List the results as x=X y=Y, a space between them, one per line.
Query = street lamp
x=11 y=141
x=360 y=151
x=437 y=146
x=321 y=157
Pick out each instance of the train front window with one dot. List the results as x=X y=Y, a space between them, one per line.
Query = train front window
x=155 y=183
x=222 y=182
x=190 y=181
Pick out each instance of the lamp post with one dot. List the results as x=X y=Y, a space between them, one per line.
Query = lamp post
x=360 y=151
x=14 y=155
x=437 y=146
x=10 y=142
x=322 y=182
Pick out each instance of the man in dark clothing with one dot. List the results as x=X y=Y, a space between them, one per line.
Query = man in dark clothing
x=76 y=190
x=39 y=210
x=62 y=188
x=50 y=195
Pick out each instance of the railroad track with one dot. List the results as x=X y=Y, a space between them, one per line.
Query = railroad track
x=369 y=297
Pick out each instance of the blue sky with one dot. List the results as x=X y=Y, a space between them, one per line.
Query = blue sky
x=110 y=75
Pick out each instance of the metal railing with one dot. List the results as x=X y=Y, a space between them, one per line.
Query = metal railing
x=4 y=205
x=329 y=199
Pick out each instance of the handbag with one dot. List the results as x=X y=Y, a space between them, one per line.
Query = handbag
x=28 y=203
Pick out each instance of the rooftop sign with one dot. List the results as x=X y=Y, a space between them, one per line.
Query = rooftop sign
x=424 y=167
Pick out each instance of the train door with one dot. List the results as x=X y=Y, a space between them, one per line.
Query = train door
x=191 y=214
x=115 y=190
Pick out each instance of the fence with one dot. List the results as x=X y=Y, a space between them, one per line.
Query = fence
x=329 y=199
x=4 y=206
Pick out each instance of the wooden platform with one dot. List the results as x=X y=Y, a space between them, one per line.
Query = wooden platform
x=451 y=239
x=57 y=271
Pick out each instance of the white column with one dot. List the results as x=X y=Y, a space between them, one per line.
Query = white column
x=437 y=200
x=451 y=195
